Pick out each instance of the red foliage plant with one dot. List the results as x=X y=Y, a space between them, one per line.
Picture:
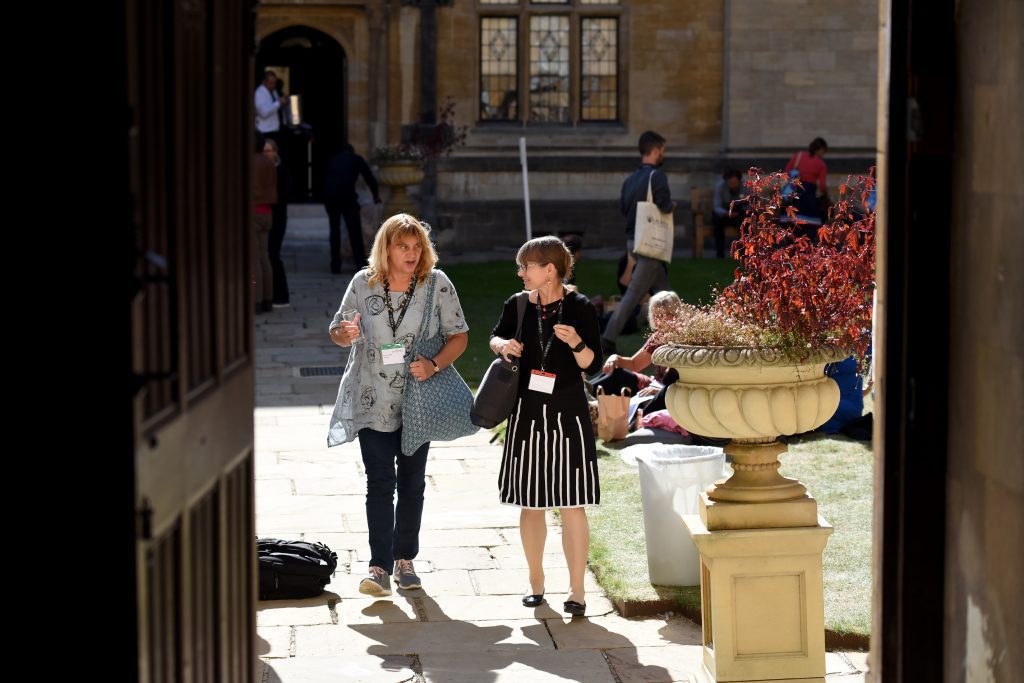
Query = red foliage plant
x=793 y=292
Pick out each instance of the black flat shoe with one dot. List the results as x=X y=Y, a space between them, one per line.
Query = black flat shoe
x=577 y=609
x=533 y=600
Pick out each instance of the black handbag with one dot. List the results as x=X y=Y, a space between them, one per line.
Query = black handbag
x=498 y=389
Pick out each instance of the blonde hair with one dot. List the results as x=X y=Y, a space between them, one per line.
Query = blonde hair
x=666 y=304
x=545 y=250
x=396 y=228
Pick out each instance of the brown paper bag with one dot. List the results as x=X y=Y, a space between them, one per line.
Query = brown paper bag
x=613 y=414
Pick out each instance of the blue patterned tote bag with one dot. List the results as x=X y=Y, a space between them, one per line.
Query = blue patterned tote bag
x=436 y=409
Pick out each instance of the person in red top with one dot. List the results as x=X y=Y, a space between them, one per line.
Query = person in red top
x=813 y=176
x=264 y=196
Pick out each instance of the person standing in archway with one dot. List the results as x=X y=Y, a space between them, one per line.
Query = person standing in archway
x=268 y=106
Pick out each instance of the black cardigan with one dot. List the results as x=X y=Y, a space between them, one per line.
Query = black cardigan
x=576 y=311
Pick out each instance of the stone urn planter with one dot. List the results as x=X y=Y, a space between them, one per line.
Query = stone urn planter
x=751 y=396
x=398 y=175
x=759 y=534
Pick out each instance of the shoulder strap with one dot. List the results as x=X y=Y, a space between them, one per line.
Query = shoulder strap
x=429 y=307
x=521 y=312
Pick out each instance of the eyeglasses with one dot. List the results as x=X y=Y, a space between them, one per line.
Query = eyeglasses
x=520 y=267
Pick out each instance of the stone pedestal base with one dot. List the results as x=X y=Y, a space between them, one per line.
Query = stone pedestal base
x=400 y=202
x=762 y=602
x=723 y=516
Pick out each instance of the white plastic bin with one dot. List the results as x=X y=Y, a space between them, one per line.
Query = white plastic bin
x=672 y=477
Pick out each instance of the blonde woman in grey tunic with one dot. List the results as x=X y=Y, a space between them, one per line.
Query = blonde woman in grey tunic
x=387 y=299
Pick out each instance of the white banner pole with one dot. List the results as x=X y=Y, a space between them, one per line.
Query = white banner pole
x=526 y=187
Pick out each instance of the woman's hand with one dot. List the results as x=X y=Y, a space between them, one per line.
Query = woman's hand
x=511 y=347
x=613 y=361
x=567 y=333
x=421 y=368
x=347 y=332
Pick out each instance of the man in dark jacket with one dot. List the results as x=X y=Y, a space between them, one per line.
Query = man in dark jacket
x=343 y=170
x=649 y=274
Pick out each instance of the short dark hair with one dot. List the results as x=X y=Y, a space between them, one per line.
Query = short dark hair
x=732 y=173
x=648 y=141
x=816 y=144
x=347 y=147
x=268 y=73
x=574 y=242
x=260 y=140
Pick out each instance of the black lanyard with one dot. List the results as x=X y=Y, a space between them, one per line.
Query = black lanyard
x=544 y=348
x=391 y=309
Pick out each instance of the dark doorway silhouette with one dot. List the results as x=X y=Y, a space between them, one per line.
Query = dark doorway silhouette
x=313 y=66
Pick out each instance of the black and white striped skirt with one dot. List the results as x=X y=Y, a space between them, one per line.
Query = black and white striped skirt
x=549 y=459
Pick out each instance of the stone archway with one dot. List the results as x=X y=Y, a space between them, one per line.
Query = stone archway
x=313 y=65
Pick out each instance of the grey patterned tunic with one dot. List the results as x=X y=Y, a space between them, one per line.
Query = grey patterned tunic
x=370 y=394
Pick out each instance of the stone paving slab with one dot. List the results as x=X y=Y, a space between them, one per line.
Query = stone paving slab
x=613 y=631
x=516 y=581
x=518 y=667
x=502 y=608
x=667 y=664
x=330 y=486
x=314 y=506
x=346 y=471
x=314 y=611
x=396 y=610
x=273 y=488
x=436 y=467
x=345 y=584
x=461 y=558
x=274 y=641
x=462 y=482
x=281 y=525
x=406 y=638
x=352 y=667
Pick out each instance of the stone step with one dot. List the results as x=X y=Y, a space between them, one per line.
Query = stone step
x=307 y=211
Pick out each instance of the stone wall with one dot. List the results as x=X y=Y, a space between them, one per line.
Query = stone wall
x=799 y=69
x=985 y=507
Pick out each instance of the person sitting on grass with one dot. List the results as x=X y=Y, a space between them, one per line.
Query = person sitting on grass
x=628 y=371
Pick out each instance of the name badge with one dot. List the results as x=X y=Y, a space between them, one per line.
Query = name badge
x=392 y=354
x=544 y=382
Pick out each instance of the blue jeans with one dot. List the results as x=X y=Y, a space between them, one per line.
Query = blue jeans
x=394 y=529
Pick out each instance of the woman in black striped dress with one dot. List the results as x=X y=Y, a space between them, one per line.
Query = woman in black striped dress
x=549 y=459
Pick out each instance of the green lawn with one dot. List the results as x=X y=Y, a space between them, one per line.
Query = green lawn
x=483 y=287
x=618 y=549
x=836 y=471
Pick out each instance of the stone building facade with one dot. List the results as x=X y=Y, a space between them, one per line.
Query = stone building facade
x=729 y=83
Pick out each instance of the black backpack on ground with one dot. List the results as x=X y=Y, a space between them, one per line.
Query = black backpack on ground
x=294 y=569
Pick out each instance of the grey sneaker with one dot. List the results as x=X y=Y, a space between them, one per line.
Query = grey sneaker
x=405 y=575
x=376 y=583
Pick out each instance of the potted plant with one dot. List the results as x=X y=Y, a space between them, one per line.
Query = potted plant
x=752 y=362
x=399 y=166
x=403 y=164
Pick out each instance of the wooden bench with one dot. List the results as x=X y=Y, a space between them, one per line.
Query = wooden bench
x=703 y=226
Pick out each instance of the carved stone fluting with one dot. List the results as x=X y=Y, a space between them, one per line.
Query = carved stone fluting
x=750 y=396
